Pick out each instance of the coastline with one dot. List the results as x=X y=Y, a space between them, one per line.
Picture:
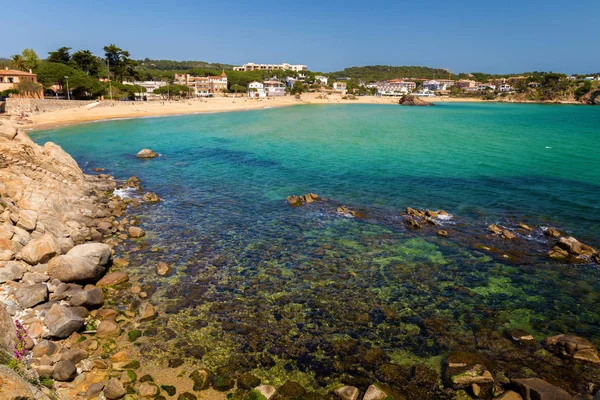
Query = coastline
x=129 y=110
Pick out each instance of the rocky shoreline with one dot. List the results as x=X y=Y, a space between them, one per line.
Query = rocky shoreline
x=73 y=319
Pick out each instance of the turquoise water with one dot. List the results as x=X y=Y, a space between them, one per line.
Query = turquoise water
x=282 y=287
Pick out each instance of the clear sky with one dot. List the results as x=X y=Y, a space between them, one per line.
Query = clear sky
x=328 y=35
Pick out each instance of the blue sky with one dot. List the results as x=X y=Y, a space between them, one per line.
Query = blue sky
x=464 y=36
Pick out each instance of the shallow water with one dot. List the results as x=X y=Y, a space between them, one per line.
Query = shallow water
x=277 y=290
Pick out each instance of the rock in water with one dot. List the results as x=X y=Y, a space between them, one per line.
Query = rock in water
x=375 y=393
x=146 y=153
x=347 y=393
x=573 y=347
x=162 y=268
x=136 y=232
x=86 y=262
x=535 y=388
x=412 y=100
x=150 y=197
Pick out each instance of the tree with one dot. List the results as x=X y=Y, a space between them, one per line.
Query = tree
x=30 y=59
x=298 y=88
x=18 y=62
x=61 y=55
x=82 y=85
x=237 y=88
x=120 y=64
x=86 y=61
x=29 y=88
x=170 y=91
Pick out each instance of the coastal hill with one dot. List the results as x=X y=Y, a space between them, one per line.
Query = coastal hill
x=374 y=73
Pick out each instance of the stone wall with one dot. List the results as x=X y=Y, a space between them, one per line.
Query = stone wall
x=38 y=106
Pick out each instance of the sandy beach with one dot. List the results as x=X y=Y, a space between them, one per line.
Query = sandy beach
x=117 y=110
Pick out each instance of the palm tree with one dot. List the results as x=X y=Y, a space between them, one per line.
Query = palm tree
x=18 y=62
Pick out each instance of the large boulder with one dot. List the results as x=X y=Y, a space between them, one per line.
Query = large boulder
x=40 y=250
x=14 y=387
x=32 y=295
x=27 y=220
x=86 y=262
x=7 y=130
x=10 y=271
x=573 y=347
x=62 y=321
x=538 y=389
x=8 y=329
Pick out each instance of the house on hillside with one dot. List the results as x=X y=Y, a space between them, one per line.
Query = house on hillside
x=434 y=86
x=321 y=79
x=340 y=87
x=256 y=90
x=11 y=78
x=203 y=86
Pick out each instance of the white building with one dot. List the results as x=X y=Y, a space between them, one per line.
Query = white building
x=505 y=88
x=340 y=87
x=394 y=87
x=322 y=79
x=149 y=86
x=271 y=67
x=256 y=90
x=274 y=88
x=434 y=85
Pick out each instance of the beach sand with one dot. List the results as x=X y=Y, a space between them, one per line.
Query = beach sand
x=118 y=110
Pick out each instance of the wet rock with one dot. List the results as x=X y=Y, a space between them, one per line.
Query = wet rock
x=475 y=389
x=222 y=383
x=32 y=295
x=136 y=232
x=414 y=212
x=510 y=395
x=114 y=389
x=94 y=390
x=266 y=390
x=525 y=227
x=150 y=197
x=375 y=357
x=551 y=232
x=296 y=201
x=475 y=374
x=147 y=389
x=146 y=153
x=114 y=278
x=248 y=381
x=412 y=223
x=347 y=393
x=62 y=321
x=162 y=268
x=86 y=262
x=375 y=393
x=442 y=233
x=64 y=371
x=291 y=390
x=538 y=389
x=40 y=250
x=575 y=247
x=557 y=253
x=520 y=336
x=146 y=312
x=201 y=379
x=495 y=229
x=506 y=234
x=573 y=347
x=393 y=374
x=108 y=328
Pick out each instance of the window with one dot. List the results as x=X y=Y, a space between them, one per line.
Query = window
x=11 y=80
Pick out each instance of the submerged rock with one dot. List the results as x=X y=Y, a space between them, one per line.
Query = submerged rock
x=551 y=232
x=538 y=389
x=573 y=347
